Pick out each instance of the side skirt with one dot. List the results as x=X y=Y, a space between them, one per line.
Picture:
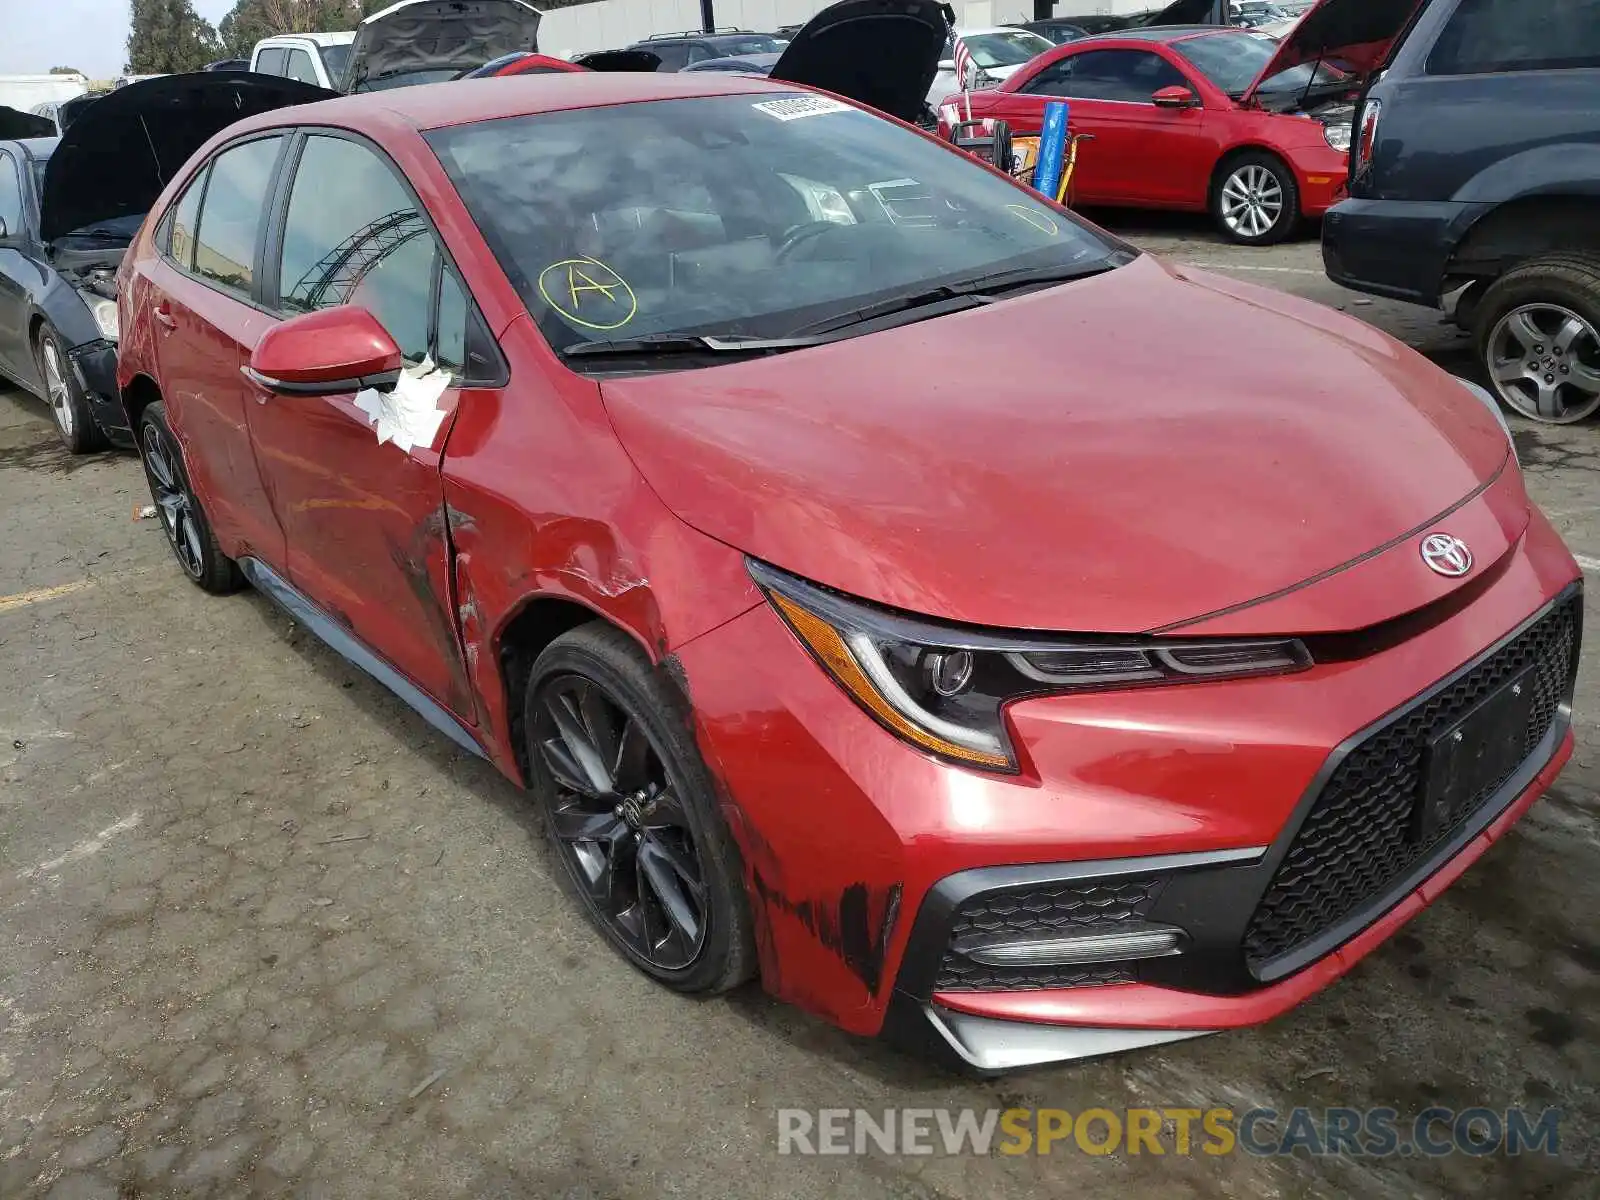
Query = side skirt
x=356 y=652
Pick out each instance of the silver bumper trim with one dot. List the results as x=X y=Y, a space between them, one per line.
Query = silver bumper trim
x=993 y=1045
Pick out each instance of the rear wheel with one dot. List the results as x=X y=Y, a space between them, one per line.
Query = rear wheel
x=631 y=812
x=1538 y=336
x=1256 y=201
x=68 y=404
x=178 y=508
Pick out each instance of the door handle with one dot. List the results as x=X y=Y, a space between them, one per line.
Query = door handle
x=164 y=316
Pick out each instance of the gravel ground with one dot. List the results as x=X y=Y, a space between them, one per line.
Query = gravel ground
x=263 y=933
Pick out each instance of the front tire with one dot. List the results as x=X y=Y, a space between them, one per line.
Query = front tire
x=69 y=405
x=1256 y=201
x=1538 y=338
x=179 y=510
x=631 y=812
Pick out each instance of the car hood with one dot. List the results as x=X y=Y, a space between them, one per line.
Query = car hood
x=117 y=156
x=15 y=124
x=424 y=35
x=1354 y=35
x=881 y=53
x=1101 y=456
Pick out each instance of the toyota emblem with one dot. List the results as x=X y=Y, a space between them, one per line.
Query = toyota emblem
x=1446 y=554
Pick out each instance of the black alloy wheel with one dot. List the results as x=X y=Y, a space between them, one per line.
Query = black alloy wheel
x=182 y=517
x=628 y=808
x=621 y=824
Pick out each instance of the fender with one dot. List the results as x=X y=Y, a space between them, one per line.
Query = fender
x=1561 y=168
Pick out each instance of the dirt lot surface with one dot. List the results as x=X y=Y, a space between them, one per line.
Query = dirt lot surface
x=262 y=932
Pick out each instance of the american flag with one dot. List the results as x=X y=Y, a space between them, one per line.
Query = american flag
x=963 y=62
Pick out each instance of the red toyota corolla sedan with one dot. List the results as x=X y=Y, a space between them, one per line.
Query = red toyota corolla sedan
x=1202 y=118
x=885 y=582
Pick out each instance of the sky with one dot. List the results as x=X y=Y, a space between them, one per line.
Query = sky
x=91 y=35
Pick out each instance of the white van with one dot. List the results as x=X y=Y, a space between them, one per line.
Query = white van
x=316 y=58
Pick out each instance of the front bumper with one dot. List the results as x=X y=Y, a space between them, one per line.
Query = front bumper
x=1320 y=174
x=1171 y=806
x=1395 y=248
x=95 y=364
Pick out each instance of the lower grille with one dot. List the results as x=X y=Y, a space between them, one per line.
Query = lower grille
x=1041 y=911
x=1355 y=844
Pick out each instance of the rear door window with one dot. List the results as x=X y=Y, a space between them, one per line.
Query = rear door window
x=271 y=60
x=10 y=197
x=180 y=229
x=1486 y=36
x=231 y=214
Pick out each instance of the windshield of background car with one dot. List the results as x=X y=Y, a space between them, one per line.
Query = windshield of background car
x=1005 y=49
x=1233 y=60
x=752 y=215
x=334 y=59
x=735 y=47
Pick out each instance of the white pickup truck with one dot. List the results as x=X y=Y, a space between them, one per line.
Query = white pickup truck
x=24 y=92
x=316 y=58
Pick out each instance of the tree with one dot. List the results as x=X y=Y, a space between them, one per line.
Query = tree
x=65 y=71
x=167 y=36
x=251 y=20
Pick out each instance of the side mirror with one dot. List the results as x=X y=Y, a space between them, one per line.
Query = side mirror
x=325 y=353
x=1175 y=97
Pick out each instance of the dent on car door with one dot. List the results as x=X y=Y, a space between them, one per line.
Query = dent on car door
x=201 y=317
x=363 y=517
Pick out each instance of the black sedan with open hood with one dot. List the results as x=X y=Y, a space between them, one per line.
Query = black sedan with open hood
x=430 y=41
x=883 y=53
x=79 y=200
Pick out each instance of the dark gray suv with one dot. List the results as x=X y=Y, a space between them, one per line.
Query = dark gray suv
x=1475 y=170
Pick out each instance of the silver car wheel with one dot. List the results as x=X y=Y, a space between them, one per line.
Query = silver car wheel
x=1544 y=361
x=56 y=390
x=1252 y=201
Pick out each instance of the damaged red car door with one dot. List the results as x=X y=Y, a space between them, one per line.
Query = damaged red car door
x=356 y=489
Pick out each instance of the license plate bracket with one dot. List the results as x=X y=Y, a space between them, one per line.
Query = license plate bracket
x=1485 y=745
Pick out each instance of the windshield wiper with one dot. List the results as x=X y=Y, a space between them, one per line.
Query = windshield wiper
x=980 y=289
x=677 y=343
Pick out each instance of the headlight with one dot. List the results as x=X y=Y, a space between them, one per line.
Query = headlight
x=943 y=687
x=105 y=314
x=1338 y=137
x=1493 y=405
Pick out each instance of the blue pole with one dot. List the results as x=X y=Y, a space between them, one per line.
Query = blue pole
x=1052 y=149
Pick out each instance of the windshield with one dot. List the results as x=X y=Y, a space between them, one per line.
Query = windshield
x=1233 y=60
x=752 y=215
x=335 y=58
x=1005 y=49
x=756 y=43
x=380 y=83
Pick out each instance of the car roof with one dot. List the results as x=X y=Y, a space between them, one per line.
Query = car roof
x=466 y=101
x=342 y=38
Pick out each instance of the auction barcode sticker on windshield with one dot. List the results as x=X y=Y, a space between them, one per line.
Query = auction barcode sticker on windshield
x=796 y=107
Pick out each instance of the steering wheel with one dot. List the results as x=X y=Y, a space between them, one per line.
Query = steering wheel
x=799 y=235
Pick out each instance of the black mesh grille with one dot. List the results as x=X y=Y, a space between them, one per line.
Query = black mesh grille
x=1039 y=912
x=1355 y=844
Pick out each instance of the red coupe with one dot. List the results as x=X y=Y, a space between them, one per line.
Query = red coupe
x=1202 y=118
x=643 y=433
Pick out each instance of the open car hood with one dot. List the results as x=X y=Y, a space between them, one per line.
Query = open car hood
x=882 y=53
x=1353 y=35
x=14 y=124
x=431 y=35
x=114 y=159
